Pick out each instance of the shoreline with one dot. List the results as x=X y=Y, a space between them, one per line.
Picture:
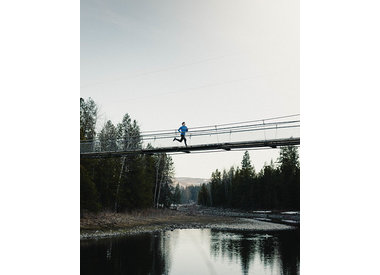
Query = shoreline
x=108 y=225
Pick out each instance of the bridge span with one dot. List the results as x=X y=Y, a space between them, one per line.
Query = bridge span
x=265 y=144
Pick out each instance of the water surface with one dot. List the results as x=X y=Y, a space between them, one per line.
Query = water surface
x=193 y=251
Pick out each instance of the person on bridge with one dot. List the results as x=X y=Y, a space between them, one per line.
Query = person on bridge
x=183 y=129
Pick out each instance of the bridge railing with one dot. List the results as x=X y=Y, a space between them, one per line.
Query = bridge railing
x=223 y=133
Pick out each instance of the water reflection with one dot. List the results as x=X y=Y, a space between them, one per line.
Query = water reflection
x=143 y=254
x=194 y=251
x=271 y=253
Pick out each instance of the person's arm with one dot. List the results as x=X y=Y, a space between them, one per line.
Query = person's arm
x=179 y=129
x=187 y=129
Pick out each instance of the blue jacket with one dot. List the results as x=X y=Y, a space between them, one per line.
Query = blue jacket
x=183 y=130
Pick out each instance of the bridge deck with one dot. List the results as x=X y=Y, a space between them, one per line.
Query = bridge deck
x=273 y=143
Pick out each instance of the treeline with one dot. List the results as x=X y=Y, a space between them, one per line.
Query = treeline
x=118 y=184
x=189 y=194
x=275 y=187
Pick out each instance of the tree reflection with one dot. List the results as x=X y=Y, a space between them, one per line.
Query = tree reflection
x=236 y=246
x=143 y=254
x=267 y=247
x=289 y=251
x=270 y=249
x=251 y=253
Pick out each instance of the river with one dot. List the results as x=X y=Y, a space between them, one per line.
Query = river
x=194 y=251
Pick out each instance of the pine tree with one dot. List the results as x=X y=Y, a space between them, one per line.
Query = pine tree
x=203 y=196
x=88 y=118
x=246 y=182
x=290 y=177
x=246 y=166
x=177 y=195
x=88 y=193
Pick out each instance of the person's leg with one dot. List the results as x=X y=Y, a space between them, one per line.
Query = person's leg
x=180 y=140
x=183 y=138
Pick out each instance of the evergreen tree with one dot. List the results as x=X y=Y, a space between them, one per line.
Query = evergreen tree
x=166 y=195
x=289 y=160
x=88 y=192
x=246 y=181
x=108 y=137
x=290 y=177
x=88 y=118
x=247 y=168
x=203 y=196
x=129 y=133
x=165 y=180
x=177 y=195
x=106 y=172
x=217 y=192
x=130 y=186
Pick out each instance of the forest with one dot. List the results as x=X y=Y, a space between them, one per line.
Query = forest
x=119 y=184
x=275 y=187
x=143 y=181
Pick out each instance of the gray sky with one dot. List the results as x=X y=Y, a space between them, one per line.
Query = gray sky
x=203 y=62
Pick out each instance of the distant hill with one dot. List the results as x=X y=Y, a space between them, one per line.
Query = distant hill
x=185 y=181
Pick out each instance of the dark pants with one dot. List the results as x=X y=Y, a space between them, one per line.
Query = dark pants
x=182 y=138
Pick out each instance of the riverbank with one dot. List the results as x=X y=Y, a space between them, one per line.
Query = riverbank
x=106 y=224
x=283 y=217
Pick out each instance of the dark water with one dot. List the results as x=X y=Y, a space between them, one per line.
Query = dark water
x=193 y=251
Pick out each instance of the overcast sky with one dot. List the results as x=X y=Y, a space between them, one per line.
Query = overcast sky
x=203 y=62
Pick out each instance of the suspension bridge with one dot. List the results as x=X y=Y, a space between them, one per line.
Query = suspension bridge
x=266 y=133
